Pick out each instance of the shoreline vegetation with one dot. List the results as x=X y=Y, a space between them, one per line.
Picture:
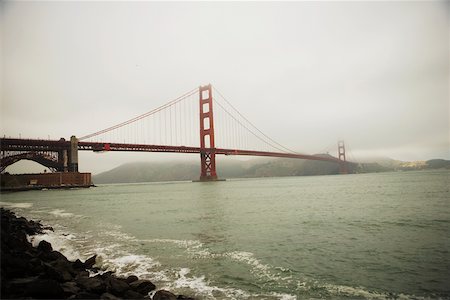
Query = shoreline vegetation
x=43 y=273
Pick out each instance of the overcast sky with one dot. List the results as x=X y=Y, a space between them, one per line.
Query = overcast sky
x=375 y=74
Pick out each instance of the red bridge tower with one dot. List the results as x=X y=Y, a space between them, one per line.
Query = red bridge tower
x=341 y=155
x=207 y=146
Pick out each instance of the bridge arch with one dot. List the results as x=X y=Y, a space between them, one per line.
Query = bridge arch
x=45 y=159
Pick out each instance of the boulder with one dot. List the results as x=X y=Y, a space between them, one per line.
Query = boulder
x=131 y=278
x=182 y=297
x=53 y=273
x=70 y=288
x=44 y=289
x=63 y=267
x=82 y=273
x=52 y=256
x=108 y=296
x=15 y=265
x=87 y=295
x=142 y=286
x=90 y=262
x=164 y=295
x=16 y=287
x=44 y=246
x=78 y=265
x=116 y=286
x=91 y=284
x=130 y=294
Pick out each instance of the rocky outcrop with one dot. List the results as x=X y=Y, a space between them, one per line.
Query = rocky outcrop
x=43 y=273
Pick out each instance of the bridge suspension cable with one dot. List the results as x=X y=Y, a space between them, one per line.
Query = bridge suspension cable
x=248 y=125
x=176 y=123
x=145 y=115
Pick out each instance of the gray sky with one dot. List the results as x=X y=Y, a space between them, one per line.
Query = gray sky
x=375 y=74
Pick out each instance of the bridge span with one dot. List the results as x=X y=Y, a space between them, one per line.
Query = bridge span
x=62 y=155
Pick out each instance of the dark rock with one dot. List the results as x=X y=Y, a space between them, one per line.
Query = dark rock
x=36 y=265
x=87 y=295
x=82 y=273
x=78 y=265
x=130 y=294
x=48 y=228
x=105 y=275
x=116 y=286
x=142 y=286
x=70 y=288
x=61 y=270
x=108 y=296
x=44 y=246
x=44 y=289
x=51 y=273
x=15 y=265
x=51 y=256
x=182 y=297
x=164 y=295
x=43 y=273
x=90 y=261
x=92 y=284
x=17 y=286
x=131 y=278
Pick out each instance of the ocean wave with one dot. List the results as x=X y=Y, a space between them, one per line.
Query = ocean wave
x=60 y=242
x=360 y=292
x=117 y=251
x=250 y=259
x=112 y=257
x=202 y=287
x=60 y=213
x=15 y=205
x=128 y=264
x=188 y=244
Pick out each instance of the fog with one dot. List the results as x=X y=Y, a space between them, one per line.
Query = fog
x=375 y=74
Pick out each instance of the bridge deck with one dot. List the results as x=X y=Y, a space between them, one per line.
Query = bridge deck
x=184 y=149
x=8 y=144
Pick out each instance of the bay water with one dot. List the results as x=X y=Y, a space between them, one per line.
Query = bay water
x=364 y=236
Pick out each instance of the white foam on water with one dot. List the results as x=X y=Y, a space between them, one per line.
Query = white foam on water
x=353 y=292
x=117 y=257
x=15 y=205
x=188 y=244
x=118 y=235
x=259 y=269
x=360 y=292
x=130 y=264
x=200 y=286
x=112 y=258
x=60 y=213
x=284 y=296
x=193 y=247
x=59 y=243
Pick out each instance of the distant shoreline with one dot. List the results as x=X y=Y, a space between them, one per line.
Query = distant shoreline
x=141 y=172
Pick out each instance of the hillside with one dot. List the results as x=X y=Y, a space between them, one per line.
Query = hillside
x=174 y=171
x=190 y=170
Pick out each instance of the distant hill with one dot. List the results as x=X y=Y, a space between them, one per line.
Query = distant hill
x=175 y=171
x=438 y=164
x=190 y=170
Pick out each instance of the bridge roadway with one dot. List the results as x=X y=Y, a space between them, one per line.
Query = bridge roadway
x=11 y=144
x=184 y=149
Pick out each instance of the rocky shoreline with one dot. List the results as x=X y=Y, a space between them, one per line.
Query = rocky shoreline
x=43 y=273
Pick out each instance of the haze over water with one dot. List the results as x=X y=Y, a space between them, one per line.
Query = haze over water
x=354 y=236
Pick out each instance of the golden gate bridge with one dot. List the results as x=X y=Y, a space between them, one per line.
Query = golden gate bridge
x=196 y=122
